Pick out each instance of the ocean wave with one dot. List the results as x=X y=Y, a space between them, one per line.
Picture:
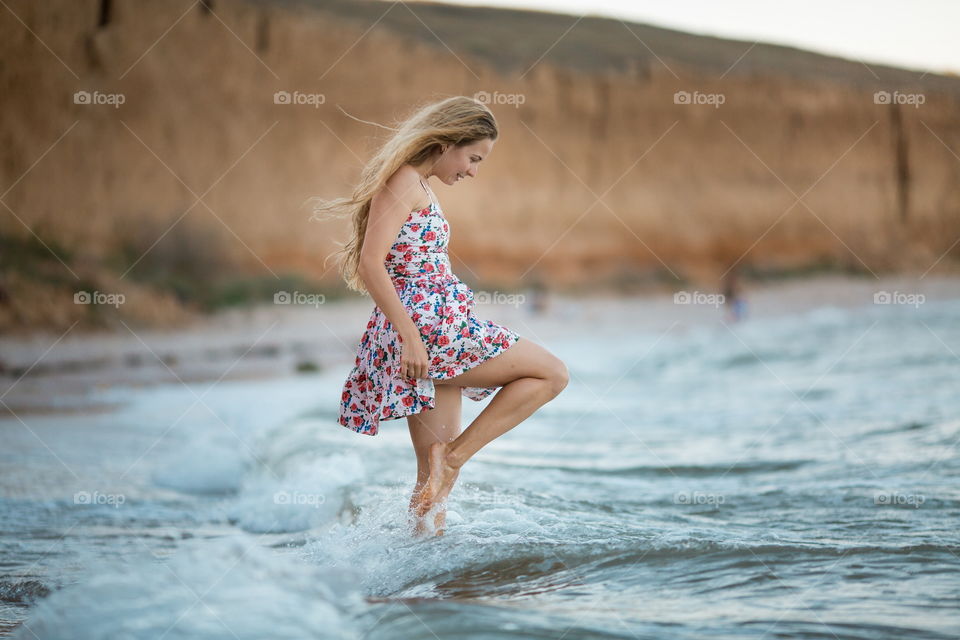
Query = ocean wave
x=225 y=588
x=683 y=470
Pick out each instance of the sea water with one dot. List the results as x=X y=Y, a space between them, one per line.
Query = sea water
x=793 y=476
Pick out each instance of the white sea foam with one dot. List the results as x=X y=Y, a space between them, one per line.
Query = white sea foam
x=224 y=588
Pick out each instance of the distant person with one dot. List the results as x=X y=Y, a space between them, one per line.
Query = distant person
x=735 y=303
x=539 y=298
x=424 y=347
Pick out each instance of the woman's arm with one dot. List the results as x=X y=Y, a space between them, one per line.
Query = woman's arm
x=389 y=210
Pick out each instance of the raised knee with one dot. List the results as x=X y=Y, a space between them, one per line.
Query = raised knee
x=558 y=377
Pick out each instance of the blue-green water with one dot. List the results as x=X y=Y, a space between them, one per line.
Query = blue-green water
x=793 y=477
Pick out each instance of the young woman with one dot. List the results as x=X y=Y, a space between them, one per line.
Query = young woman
x=424 y=347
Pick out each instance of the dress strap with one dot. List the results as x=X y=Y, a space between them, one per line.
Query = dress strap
x=429 y=191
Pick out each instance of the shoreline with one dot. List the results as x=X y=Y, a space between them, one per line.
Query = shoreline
x=46 y=373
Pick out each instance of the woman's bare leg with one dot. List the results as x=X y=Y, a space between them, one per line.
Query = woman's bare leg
x=530 y=376
x=440 y=424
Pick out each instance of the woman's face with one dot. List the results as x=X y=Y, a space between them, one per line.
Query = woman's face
x=457 y=163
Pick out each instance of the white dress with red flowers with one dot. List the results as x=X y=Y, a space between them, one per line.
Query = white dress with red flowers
x=442 y=308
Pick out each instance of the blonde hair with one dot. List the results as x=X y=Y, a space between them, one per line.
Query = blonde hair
x=457 y=121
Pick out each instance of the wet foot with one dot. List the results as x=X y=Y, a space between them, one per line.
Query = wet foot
x=440 y=482
x=439 y=522
x=420 y=527
x=417 y=522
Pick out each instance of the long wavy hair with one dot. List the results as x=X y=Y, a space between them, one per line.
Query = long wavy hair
x=458 y=121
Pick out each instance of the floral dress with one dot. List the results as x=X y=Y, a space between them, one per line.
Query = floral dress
x=442 y=308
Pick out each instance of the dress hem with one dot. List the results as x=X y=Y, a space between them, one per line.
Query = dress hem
x=430 y=404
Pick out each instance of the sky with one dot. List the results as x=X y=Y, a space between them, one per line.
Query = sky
x=914 y=34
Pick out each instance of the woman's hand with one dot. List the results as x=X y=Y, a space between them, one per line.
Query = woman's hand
x=414 y=360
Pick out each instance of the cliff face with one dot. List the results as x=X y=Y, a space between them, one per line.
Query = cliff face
x=600 y=175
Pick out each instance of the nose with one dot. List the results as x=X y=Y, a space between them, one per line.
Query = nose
x=472 y=172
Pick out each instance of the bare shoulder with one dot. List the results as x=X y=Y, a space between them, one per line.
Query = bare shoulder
x=402 y=189
x=389 y=208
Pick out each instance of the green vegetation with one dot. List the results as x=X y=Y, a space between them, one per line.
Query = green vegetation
x=36 y=259
x=195 y=264
x=192 y=266
x=823 y=266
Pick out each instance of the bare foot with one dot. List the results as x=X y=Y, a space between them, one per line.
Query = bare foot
x=439 y=521
x=417 y=521
x=441 y=479
x=420 y=527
